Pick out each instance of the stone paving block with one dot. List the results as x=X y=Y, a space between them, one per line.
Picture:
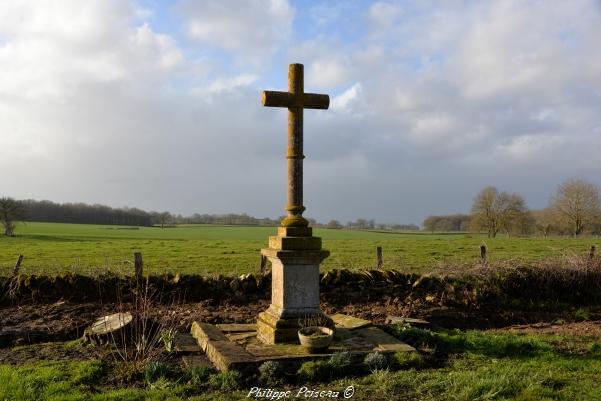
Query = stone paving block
x=383 y=341
x=349 y=322
x=241 y=336
x=396 y=319
x=237 y=327
x=184 y=342
x=196 y=361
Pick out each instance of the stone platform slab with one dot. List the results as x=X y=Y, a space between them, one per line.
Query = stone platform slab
x=241 y=350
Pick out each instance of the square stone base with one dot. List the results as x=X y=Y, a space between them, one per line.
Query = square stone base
x=275 y=329
x=237 y=346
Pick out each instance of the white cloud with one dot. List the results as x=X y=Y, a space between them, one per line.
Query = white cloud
x=383 y=15
x=51 y=48
x=343 y=102
x=96 y=105
x=327 y=74
x=231 y=83
x=252 y=28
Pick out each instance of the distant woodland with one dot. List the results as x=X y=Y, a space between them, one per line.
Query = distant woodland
x=574 y=210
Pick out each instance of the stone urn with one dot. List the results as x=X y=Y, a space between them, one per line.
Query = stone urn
x=316 y=338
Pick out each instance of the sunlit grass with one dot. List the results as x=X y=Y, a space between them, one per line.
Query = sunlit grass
x=52 y=248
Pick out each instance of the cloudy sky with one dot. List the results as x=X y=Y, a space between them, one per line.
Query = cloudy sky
x=155 y=104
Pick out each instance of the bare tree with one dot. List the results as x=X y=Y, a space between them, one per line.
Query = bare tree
x=165 y=218
x=545 y=221
x=577 y=205
x=334 y=224
x=10 y=212
x=494 y=211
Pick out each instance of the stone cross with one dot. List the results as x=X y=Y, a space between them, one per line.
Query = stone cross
x=295 y=100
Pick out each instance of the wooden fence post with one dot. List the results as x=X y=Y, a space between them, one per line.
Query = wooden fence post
x=263 y=264
x=591 y=254
x=483 y=255
x=379 y=261
x=138 y=265
x=17 y=265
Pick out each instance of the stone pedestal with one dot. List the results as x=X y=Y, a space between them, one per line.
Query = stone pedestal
x=295 y=256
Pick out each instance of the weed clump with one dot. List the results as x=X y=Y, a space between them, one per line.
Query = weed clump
x=226 y=381
x=314 y=371
x=154 y=371
x=408 y=360
x=340 y=361
x=271 y=372
x=198 y=376
x=376 y=361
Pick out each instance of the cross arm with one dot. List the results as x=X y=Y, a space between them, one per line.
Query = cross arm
x=287 y=99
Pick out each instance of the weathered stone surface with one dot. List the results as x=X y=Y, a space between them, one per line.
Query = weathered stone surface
x=205 y=332
x=295 y=100
x=295 y=243
x=273 y=328
x=237 y=327
x=295 y=231
x=195 y=361
x=349 y=322
x=227 y=355
x=222 y=352
x=241 y=336
x=184 y=342
x=383 y=341
x=300 y=256
x=401 y=320
x=294 y=293
x=244 y=351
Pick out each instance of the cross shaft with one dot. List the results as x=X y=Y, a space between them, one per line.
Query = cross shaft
x=295 y=100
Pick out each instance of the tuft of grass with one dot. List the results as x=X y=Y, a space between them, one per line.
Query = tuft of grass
x=226 y=381
x=271 y=372
x=498 y=345
x=582 y=314
x=409 y=360
x=314 y=371
x=198 y=376
x=154 y=371
x=340 y=361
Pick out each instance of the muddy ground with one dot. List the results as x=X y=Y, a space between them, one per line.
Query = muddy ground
x=64 y=321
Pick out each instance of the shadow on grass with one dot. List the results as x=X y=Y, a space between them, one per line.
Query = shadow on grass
x=494 y=345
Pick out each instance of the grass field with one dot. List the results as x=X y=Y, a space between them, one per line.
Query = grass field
x=53 y=248
x=475 y=366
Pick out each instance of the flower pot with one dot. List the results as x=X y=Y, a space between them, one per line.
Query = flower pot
x=316 y=338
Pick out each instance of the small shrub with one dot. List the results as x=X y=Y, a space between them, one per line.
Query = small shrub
x=126 y=372
x=155 y=370
x=199 y=375
x=595 y=349
x=167 y=337
x=314 y=371
x=409 y=360
x=271 y=372
x=226 y=381
x=582 y=315
x=340 y=362
x=417 y=337
x=161 y=384
x=376 y=361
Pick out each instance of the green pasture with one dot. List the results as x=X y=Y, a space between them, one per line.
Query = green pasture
x=466 y=366
x=53 y=248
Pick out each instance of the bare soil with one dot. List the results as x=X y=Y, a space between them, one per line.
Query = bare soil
x=64 y=321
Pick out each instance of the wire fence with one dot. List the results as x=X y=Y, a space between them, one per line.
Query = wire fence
x=247 y=261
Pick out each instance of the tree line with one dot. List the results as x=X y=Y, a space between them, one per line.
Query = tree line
x=12 y=210
x=574 y=209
